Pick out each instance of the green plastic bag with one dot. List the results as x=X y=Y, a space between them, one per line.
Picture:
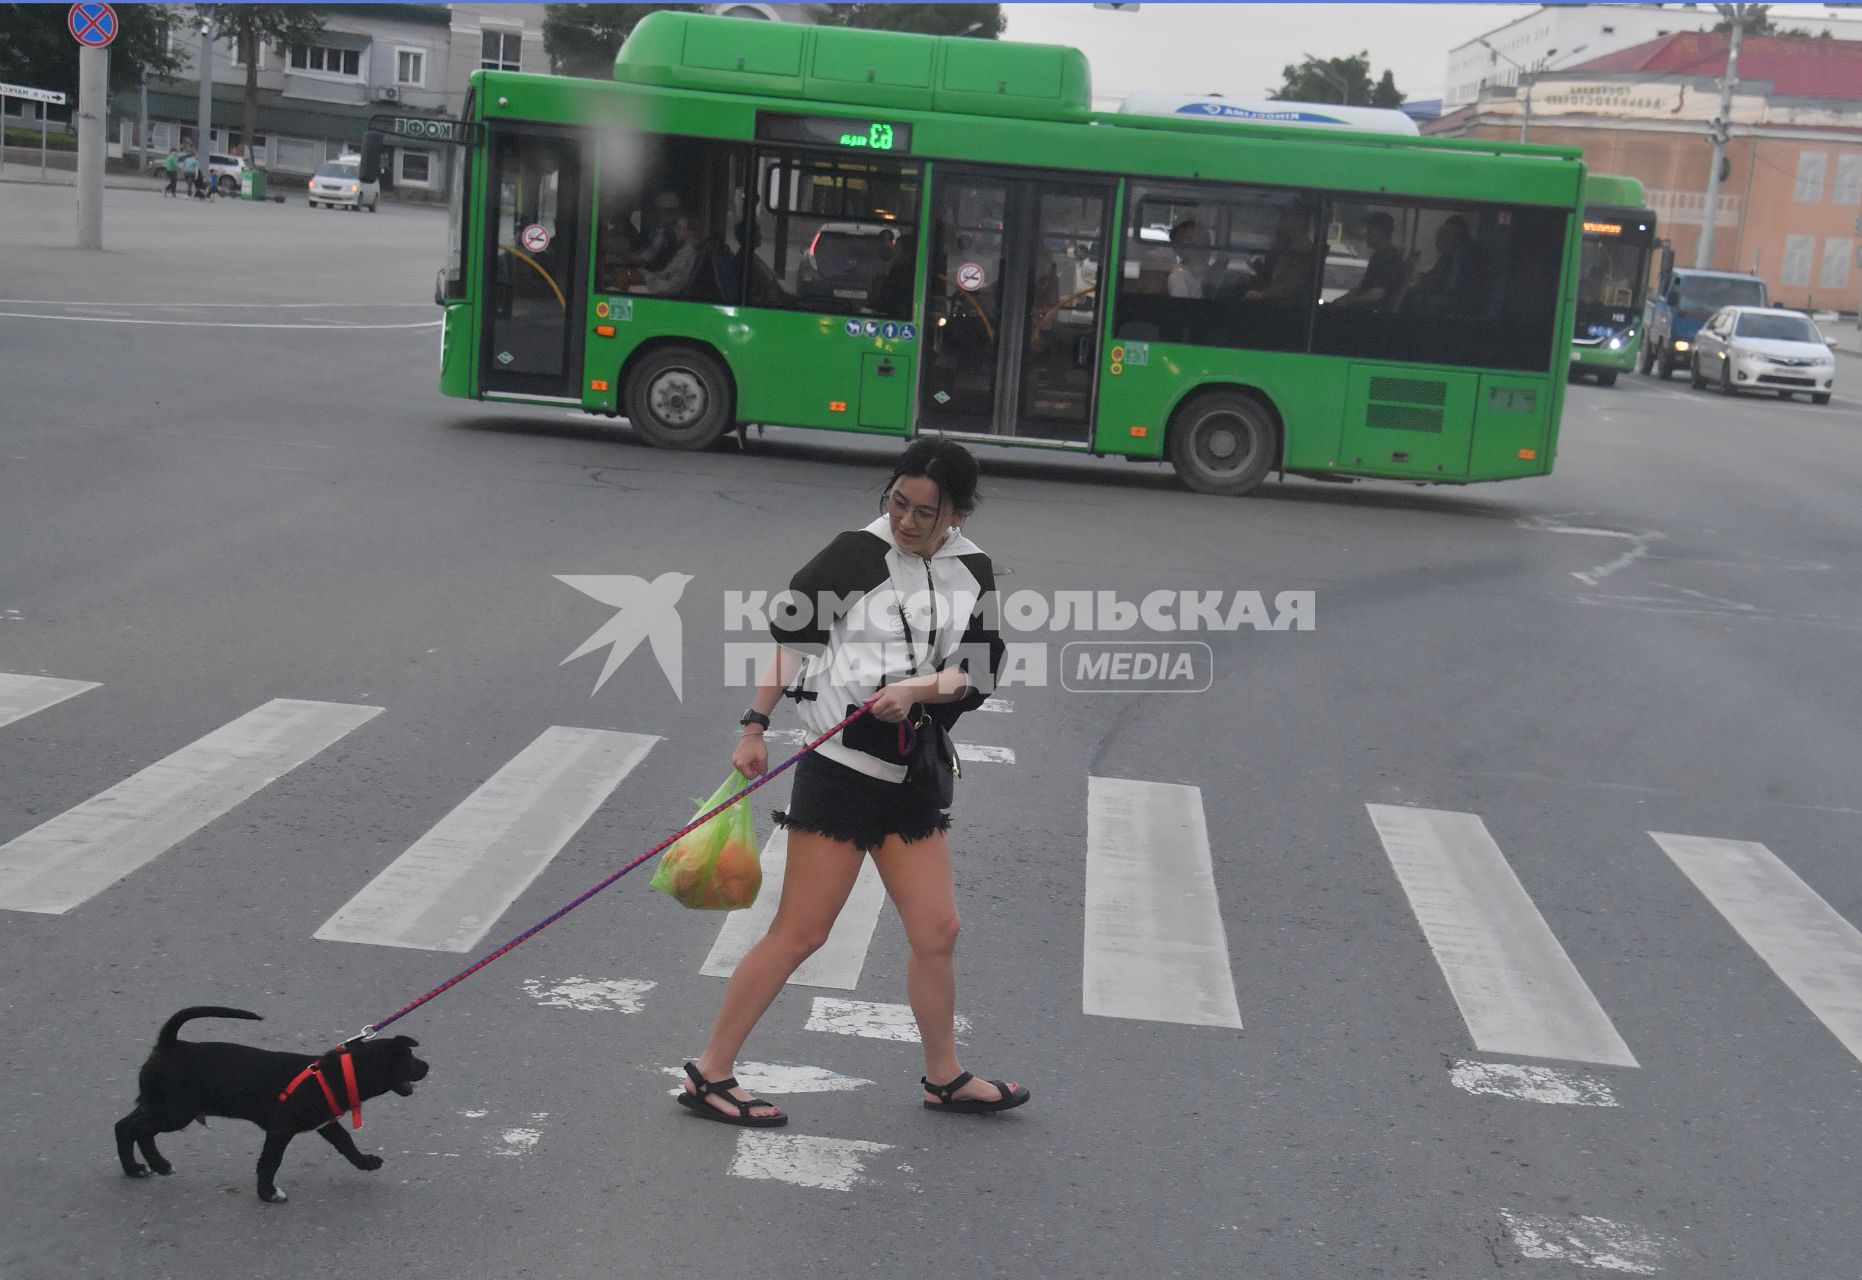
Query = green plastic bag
x=715 y=867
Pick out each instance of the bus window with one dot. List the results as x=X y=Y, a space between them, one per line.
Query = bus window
x=664 y=217
x=1459 y=284
x=1227 y=267
x=833 y=235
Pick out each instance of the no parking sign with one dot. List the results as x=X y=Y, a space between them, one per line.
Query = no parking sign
x=92 y=23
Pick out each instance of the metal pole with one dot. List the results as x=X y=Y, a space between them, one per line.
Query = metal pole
x=1703 y=255
x=203 y=132
x=142 y=128
x=1525 y=123
x=93 y=94
x=42 y=137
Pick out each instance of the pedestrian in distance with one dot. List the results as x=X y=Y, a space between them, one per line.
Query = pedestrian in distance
x=190 y=173
x=900 y=613
x=171 y=165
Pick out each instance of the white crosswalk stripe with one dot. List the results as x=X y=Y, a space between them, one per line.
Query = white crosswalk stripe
x=1155 y=946
x=83 y=851
x=1816 y=952
x=1517 y=989
x=447 y=890
x=21 y=696
x=840 y=959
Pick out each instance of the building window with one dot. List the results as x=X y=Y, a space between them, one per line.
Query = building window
x=317 y=57
x=410 y=67
x=1797 y=251
x=502 y=51
x=296 y=155
x=1810 y=169
x=1848 y=189
x=417 y=168
x=1835 y=273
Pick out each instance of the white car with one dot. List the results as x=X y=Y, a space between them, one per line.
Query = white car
x=1763 y=349
x=227 y=173
x=338 y=183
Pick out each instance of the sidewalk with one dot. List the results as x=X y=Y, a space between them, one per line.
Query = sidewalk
x=15 y=172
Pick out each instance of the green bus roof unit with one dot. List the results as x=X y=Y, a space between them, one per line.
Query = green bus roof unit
x=1608 y=188
x=861 y=68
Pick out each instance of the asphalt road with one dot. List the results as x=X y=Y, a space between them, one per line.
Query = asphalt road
x=226 y=478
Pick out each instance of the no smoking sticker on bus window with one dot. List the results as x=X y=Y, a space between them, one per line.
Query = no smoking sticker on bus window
x=970 y=277
x=536 y=237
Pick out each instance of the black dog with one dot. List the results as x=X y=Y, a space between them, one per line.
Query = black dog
x=184 y=1081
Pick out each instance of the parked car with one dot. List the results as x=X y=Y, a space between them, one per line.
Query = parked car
x=338 y=183
x=1763 y=349
x=227 y=173
x=844 y=258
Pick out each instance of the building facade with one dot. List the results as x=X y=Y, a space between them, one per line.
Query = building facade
x=1789 y=208
x=1567 y=34
x=315 y=98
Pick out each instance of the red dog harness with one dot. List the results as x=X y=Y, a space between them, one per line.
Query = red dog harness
x=315 y=1071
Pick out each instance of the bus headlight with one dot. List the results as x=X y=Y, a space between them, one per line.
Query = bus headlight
x=1681 y=344
x=1616 y=344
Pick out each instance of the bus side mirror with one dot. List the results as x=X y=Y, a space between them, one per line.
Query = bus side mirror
x=371 y=157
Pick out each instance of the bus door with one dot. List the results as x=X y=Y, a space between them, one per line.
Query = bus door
x=1012 y=305
x=536 y=251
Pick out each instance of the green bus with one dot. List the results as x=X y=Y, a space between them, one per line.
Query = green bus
x=895 y=234
x=1613 y=277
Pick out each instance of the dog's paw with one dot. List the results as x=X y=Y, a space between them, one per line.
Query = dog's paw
x=136 y=1170
x=272 y=1195
x=162 y=1167
x=370 y=1163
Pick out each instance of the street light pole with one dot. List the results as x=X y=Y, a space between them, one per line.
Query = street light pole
x=1344 y=85
x=1528 y=78
x=203 y=135
x=1736 y=14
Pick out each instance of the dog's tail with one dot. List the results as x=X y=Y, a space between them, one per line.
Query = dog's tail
x=172 y=1028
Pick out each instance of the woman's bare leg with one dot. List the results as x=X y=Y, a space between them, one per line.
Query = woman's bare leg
x=918 y=879
x=819 y=876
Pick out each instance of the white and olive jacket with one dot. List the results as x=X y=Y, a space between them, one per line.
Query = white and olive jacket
x=843 y=611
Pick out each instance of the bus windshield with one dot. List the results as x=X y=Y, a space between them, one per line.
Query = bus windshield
x=1612 y=272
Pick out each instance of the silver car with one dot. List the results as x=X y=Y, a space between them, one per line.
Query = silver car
x=339 y=184
x=1763 y=349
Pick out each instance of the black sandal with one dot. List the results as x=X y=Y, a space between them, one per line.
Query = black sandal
x=696 y=1103
x=1010 y=1099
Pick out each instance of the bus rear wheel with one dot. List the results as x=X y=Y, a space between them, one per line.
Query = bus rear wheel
x=1222 y=442
x=679 y=398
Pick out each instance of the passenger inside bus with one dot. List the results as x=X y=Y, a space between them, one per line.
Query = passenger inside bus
x=1381 y=286
x=1457 y=283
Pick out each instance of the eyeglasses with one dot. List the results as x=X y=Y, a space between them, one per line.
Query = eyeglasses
x=893 y=501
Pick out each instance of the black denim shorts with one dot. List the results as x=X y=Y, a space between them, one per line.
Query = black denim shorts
x=844 y=804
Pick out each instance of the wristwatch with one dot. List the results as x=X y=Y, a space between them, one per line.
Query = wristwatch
x=755 y=717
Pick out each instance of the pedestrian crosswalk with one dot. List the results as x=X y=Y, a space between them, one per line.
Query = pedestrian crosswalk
x=1153 y=944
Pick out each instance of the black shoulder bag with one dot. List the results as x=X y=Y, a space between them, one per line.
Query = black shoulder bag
x=931 y=768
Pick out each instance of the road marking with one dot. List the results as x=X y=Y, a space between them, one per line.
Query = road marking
x=1586 y=1242
x=1155 y=946
x=840 y=959
x=779 y=1078
x=1530 y=1084
x=216 y=324
x=447 y=890
x=83 y=851
x=1590 y=578
x=1814 y=950
x=21 y=696
x=830 y=1164
x=1004 y=705
x=873 y=1021
x=591 y=995
x=1517 y=989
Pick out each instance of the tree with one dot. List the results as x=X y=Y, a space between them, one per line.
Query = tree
x=36 y=48
x=582 y=39
x=1341 y=80
x=984 y=21
x=1757 y=22
x=1385 y=94
x=250 y=26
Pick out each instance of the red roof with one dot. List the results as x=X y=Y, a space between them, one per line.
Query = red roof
x=1797 y=67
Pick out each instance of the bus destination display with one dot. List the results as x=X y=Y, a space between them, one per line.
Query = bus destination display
x=848 y=134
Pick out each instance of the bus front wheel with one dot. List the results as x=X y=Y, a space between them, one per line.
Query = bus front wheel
x=679 y=398
x=1222 y=442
